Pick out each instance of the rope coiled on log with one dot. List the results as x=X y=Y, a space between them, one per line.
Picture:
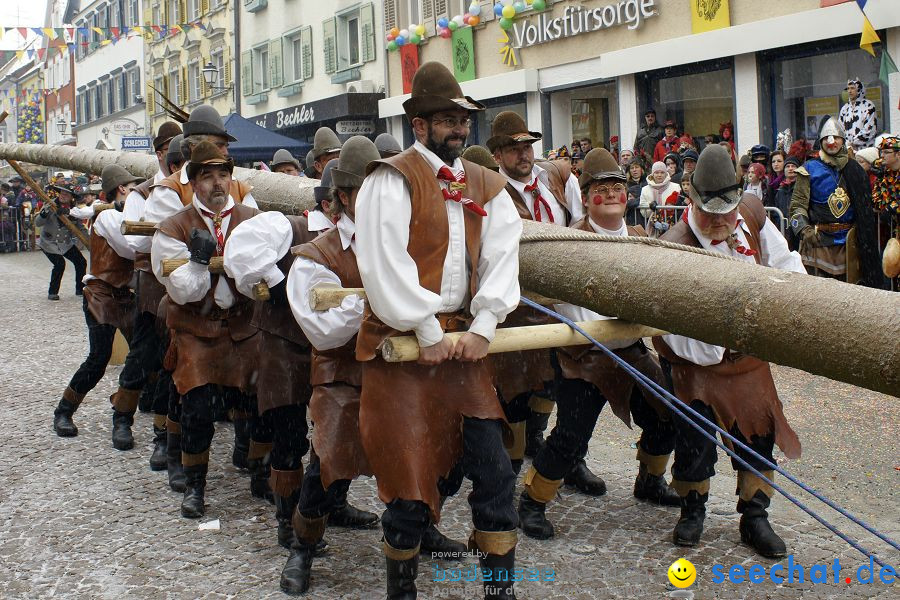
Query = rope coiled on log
x=577 y=236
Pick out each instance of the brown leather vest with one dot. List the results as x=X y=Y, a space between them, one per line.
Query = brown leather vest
x=204 y=318
x=144 y=188
x=185 y=191
x=429 y=231
x=337 y=364
x=558 y=172
x=275 y=316
x=107 y=265
x=751 y=210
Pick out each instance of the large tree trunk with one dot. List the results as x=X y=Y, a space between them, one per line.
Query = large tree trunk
x=845 y=332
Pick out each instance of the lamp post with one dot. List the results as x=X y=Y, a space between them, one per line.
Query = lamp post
x=211 y=77
x=61 y=126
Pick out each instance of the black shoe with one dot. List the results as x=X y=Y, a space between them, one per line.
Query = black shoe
x=436 y=545
x=585 y=481
x=241 y=443
x=352 y=518
x=62 y=419
x=401 y=578
x=532 y=518
x=121 y=431
x=653 y=488
x=296 y=572
x=159 y=460
x=259 y=478
x=52 y=296
x=690 y=525
x=195 y=487
x=501 y=567
x=535 y=427
x=755 y=529
x=516 y=465
x=284 y=511
x=321 y=548
x=173 y=463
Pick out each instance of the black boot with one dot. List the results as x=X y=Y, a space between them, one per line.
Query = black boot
x=501 y=566
x=121 y=431
x=352 y=518
x=296 y=572
x=690 y=525
x=195 y=487
x=241 y=443
x=532 y=518
x=585 y=481
x=173 y=462
x=535 y=427
x=62 y=419
x=159 y=460
x=755 y=529
x=401 y=577
x=259 y=478
x=437 y=545
x=284 y=511
x=145 y=400
x=516 y=465
x=653 y=488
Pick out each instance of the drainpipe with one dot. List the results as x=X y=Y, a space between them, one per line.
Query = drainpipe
x=236 y=69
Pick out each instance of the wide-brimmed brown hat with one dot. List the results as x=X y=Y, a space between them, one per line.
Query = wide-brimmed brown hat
x=205 y=154
x=66 y=187
x=481 y=156
x=509 y=128
x=356 y=154
x=599 y=164
x=113 y=176
x=284 y=157
x=434 y=88
x=325 y=142
x=166 y=132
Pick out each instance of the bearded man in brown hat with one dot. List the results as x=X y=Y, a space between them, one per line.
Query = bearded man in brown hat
x=212 y=345
x=589 y=379
x=546 y=192
x=437 y=240
x=733 y=389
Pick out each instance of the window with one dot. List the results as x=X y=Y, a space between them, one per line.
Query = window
x=107 y=97
x=102 y=17
x=194 y=10
x=351 y=30
x=174 y=91
x=132 y=14
x=194 y=92
x=349 y=38
x=134 y=78
x=115 y=91
x=173 y=17
x=298 y=55
x=159 y=83
x=217 y=59
x=414 y=11
x=260 y=69
x=96 y=103
x=157 y=14
x=115 y=19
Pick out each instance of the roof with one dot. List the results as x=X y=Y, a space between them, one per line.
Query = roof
x=258 y=143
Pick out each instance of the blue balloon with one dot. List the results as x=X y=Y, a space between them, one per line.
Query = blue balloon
x=498 y=9
x=443 y=22
x=400 y=40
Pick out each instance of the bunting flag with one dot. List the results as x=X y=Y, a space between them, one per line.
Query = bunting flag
x=868 y=37
x=888 y=66
x=69 y=33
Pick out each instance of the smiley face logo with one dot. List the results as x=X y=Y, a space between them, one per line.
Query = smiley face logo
x=682 y=573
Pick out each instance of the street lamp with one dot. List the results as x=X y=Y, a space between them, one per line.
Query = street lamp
x=211 y=76
x=61 y=126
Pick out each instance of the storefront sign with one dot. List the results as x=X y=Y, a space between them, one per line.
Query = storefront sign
x=707 y=15
x=290 y=117
x=124 y=126
x=314 y=113
x=136 y=143
x=354 y=127
x=576 y=20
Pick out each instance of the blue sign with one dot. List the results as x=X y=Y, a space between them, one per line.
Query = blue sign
x=136 y=143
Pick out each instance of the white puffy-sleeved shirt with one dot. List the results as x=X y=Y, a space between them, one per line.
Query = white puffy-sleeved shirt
x=254 y=248
x=389 y=274
x=83 y=212
x=134 y=211
x=108 y=225
x=332 y=328
x=579 y=313
x=165 y=202
x=190 y=282
x=318 y=221
x=573 y=196
x=773 y=251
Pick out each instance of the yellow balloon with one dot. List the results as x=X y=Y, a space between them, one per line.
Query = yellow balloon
x=508 y=11
x=420 y=30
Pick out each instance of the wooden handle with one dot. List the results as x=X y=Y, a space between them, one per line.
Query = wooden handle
x=261 y=291
x=138 y=228
x=324 y=297
x=406 y=348
x=101 y=206
x=217 y=267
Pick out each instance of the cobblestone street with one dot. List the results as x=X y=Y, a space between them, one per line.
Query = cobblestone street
x=82 y=520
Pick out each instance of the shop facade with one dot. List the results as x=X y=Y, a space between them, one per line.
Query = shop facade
x=591 y=69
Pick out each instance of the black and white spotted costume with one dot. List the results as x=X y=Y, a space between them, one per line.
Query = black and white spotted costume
x=858 y=119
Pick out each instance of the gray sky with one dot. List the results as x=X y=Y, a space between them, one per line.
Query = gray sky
x=20 y=13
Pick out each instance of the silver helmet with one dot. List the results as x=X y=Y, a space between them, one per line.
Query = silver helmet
x=832 y=127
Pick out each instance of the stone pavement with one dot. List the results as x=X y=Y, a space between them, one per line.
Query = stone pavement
x=82 y=520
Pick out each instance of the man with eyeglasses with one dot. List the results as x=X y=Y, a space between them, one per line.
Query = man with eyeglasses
x=588 y=378
x=437 y=247
x=548 y=193
x=727 y=387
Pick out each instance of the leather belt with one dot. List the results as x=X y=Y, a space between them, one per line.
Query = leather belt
x=456 y=321
x=833 y=227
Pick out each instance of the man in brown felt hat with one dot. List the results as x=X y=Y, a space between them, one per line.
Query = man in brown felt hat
x=589 y=379
x=545 y=192
x=733 y=389
x=284 y=162
x=437 y=240
x=212 y=345
x=326 y=147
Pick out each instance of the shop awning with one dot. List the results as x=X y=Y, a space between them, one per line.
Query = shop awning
x=258 y=143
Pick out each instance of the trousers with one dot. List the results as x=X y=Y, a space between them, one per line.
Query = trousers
x=74 y=256
x=100 y=343
x=199 y=407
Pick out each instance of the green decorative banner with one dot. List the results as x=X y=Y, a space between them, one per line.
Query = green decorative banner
x=463 y=49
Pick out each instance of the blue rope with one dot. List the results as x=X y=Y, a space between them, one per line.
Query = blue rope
x=668 y=399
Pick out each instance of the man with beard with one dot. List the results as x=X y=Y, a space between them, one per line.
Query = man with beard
x=212 y=344
x=831 y=197
x=547 y=192
x=437 y=241
x=647 y=137
x=57 y=242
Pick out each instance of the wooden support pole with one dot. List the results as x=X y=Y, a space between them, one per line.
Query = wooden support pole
x=325 y=297
x=138 y=228
x=216 y=267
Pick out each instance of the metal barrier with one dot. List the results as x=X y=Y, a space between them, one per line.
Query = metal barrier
x=13 y=234
x=771 y=210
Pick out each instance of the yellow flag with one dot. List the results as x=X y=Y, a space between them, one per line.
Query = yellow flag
x=707 y=15
x=49 y=32
x=868 y=37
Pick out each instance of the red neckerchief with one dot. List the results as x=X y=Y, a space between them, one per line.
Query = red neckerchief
x=538 y=201
x=217 y=226
x=735 y=244
x=456 y=186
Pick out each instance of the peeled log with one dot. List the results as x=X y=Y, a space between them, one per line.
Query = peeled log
x=844 y=332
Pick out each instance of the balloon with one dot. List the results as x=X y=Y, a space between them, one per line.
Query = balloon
x=466 y=19
x=445 y=33
x=539 y=5
x=442 y=22
x=474 y=20
x=498 y=9
x=420 y=30
x=414 y=39
x=400 y=40
x=458 y=19
x=412 y=27
x=390 y=38
x=392 y=45
x=404 y=33
x=519 y=6
x=475 y=9
x=505 y=23
x=394 y=31
x=508 y=11
x=452 y=25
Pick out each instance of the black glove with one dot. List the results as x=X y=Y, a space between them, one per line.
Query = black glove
x=45 y=212
x=653 y=205
x=202 y=245
x=278 y=294
x=119 y=205
x=62 y=211
x=810 y=236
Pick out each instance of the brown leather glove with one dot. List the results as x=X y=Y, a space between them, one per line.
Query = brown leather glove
x=810 y=236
